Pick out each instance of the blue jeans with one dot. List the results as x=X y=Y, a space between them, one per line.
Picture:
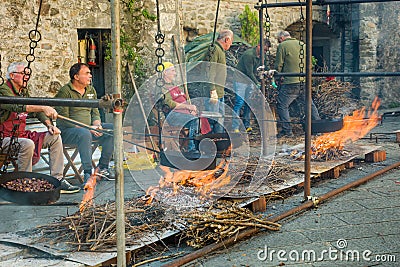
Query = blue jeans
x=185 y=120
x=83 y=138
x=242 y=92
x=286 y=95
x=217 y=125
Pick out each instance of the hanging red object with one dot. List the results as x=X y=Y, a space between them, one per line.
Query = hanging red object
x=92 y=53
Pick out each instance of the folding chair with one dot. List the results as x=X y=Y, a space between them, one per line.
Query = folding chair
x=71 y=160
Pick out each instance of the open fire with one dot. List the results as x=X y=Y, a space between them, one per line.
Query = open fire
x=203 y=182
x=89 y=188
x=330 y=145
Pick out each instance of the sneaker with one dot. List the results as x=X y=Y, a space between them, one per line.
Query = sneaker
x=86 y=177
x=106 y=174
x=236 y=131
x=67 y=188
x=249 y=129
x=283 y=134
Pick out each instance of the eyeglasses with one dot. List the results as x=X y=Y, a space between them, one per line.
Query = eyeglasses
x=21 y=72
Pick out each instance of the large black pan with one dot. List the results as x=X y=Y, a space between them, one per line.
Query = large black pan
x=29 y=198
x=326 y=126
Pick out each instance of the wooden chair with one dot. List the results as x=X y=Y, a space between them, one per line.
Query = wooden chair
x=71 y=160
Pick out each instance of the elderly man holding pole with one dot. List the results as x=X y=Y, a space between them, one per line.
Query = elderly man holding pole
x=13 y=122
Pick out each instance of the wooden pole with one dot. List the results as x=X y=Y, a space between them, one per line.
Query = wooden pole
x=141 y=105
x=182 y=70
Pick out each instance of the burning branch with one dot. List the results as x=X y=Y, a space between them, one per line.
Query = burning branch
x=355 y=126
x=203 y=182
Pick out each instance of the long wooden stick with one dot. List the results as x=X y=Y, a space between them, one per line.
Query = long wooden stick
x=181 y=69
x=140 y=104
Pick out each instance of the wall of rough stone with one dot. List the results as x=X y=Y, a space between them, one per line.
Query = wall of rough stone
x=379 y=50
x=59 y=22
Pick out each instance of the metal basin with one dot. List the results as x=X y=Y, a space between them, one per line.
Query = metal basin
x=187 y=160
x=326 y=126
x=29 y=198
x=221 y=140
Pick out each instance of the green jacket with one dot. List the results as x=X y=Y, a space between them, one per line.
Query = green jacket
x=217 y=73
x=288 y=59
x=248 y=64
x=6 y=109
x=84 y=115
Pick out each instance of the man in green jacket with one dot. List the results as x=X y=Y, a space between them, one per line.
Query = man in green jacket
x=79 y=88
x=13 y=122
x=292 y=88
x=216 y=75
x=248 y=64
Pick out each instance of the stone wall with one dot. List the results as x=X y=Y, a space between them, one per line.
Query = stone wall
x=369 y=32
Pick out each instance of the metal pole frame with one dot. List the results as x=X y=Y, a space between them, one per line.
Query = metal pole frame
x=118 y=133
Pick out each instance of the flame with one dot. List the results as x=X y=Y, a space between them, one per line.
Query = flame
x=355 y=127
x=204 y=182
x=89 y=188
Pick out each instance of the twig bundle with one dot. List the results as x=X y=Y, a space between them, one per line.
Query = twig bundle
x=95 y=228
x=221 y=221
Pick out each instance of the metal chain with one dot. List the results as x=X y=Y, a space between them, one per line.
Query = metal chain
x=270 y=91
x=34 y=37
x=159 y=51
x=301 y=43
x=1 y=74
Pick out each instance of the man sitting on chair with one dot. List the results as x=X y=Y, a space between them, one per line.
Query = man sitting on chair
x=180 y=113
x=13 y=122
x=80 y=88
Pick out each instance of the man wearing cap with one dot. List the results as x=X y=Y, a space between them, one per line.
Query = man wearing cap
x=180 y=112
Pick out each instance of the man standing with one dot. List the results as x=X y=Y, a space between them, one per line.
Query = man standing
x=292 y=88
x=13 y=122
x=80 y=88
x=248 y=64
x=209 y=77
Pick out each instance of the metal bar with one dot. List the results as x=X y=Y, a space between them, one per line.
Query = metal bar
x=341 y=74
x=118 y=153
x=307 y=142
x=262 y=62
x=67 y=102
x=322 y=3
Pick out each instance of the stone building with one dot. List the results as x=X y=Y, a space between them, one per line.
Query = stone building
x=351 y=38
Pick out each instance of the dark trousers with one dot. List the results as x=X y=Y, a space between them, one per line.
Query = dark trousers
x=286 y=95
x=83 y=138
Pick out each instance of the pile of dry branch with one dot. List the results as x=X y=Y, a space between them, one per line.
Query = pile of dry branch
x=221 y=221
x=331 y=96
x=95 y=228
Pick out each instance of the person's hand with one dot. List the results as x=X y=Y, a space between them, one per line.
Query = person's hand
x=53 y=129
x=192 y=109
x=213 y=97
x=49 y=112
x=271 y=73
x=94 y=132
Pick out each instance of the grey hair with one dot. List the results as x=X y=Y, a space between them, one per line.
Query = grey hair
x=283 y=34
x=224 y=34
x=13 y=67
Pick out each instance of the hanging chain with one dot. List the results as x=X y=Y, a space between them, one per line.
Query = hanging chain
x=301 y=43
x=1 y=74
x=159 y=51
x=34 y=37
x=211 y=48
x=270 y=91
